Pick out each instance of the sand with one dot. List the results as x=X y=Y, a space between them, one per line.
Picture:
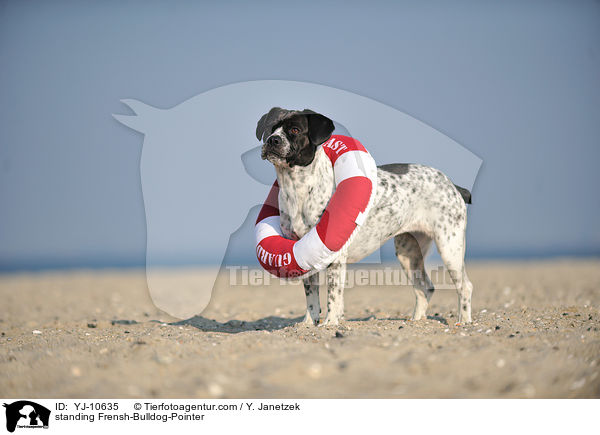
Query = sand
x=96 y=334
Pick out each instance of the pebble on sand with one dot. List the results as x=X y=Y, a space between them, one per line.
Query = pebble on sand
x=578 y=384
x=314 y=370
x=215 y=390
x=529 y=390
x=163 y=359
x=123 y=322
x=35 y=331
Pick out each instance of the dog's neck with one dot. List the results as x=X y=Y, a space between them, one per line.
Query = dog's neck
x=304 y=192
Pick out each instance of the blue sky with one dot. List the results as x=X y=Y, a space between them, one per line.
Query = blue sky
x=516 y=83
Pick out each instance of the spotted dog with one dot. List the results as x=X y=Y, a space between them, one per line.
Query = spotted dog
x=414 y=204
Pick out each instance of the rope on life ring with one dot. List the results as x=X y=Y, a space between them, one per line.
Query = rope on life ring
x=355 y=175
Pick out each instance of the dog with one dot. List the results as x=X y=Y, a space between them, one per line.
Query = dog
x=414 y=204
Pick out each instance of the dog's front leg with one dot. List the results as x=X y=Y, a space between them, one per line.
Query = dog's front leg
x=336 y=275
x=313 y=305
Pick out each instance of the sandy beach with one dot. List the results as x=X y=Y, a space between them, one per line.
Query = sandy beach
x=536 y=334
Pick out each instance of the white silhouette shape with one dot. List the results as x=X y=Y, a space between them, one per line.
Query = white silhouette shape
x=196 y=191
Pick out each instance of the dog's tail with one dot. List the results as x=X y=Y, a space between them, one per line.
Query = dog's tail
x=466 y=195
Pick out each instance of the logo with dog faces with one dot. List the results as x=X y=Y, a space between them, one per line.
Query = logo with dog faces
x=24 y=414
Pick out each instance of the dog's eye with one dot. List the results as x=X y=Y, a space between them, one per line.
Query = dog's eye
x=294 y=130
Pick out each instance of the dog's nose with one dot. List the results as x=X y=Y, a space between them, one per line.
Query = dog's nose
x=274 y=141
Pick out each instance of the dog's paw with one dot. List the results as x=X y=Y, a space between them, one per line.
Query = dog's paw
x=331 y=321
x=308 y=320
x=419 y=313
x=462 y=323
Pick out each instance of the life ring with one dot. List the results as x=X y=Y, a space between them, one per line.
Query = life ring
x=355 y=175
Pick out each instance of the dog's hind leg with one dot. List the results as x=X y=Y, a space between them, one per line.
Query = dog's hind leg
x=411 y=249
x=452 y=251
x=313 y=305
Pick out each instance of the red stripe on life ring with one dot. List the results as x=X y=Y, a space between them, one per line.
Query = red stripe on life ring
x=271 y=204
x=338 y=222
x=275 y=254
x=338 y=145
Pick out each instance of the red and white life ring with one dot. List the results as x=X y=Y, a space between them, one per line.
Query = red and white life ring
x=355 y=174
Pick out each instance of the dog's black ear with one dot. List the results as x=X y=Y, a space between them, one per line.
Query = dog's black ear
x=265 y=124
x=260 y=126
x=319 y=128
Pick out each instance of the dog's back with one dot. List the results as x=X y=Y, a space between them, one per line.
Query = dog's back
x=402 y=168
x=410 y=198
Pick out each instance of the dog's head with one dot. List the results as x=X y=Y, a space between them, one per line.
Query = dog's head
x=291 y=137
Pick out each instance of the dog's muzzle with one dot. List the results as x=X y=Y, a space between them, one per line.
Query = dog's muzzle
x=273 y=146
